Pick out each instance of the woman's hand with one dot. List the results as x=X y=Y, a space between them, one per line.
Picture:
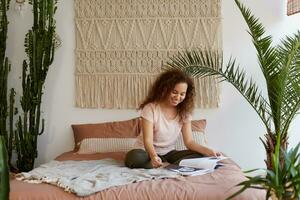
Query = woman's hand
x=210 y=152
x=156 y=161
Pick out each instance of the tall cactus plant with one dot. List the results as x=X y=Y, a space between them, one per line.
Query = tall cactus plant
x=39 y=47
x=5 y=112
x=4 y=172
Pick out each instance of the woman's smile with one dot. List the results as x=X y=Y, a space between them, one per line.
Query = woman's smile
x=178 y=94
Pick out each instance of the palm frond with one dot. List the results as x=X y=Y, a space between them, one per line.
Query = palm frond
x=189 y=61
x=289 y=55
x=198 y=63
x=256 y=182
x=267 y=57
x=265 y=52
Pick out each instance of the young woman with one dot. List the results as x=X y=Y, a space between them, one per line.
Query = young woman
x=166 y=113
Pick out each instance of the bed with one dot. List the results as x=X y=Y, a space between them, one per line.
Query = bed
x=213 y=186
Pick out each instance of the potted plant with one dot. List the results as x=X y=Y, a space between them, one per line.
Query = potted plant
x=40 y=48
x=280 y=66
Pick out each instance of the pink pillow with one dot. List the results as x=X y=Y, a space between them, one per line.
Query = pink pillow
x=199 y=125
x=118 y=129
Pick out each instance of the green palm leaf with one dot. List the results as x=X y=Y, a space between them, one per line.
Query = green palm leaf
x=268 y=61
x=289 y=56
x=200 y=63
x=265 y=52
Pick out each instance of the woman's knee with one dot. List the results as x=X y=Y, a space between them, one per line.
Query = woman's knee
x=137 y=158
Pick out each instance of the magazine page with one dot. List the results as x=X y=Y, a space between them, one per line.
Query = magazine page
x=187 y=171
x=205 y=162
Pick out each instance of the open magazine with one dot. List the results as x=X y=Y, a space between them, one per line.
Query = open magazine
x=196 y=166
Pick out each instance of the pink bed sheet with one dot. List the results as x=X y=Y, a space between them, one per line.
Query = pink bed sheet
x=214 y=186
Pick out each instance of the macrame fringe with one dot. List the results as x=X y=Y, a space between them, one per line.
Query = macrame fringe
x=121 y=46
x=128 y=91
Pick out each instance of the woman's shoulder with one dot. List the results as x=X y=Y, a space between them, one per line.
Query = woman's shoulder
x=150 y=112
x=151 y=105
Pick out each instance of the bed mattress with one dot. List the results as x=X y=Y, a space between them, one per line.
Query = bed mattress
x=213 y=186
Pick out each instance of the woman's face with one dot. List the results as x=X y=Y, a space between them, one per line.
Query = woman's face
x=178 y=94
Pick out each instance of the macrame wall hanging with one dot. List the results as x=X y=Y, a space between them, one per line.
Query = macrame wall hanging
x=121 y=46
x=293 y=7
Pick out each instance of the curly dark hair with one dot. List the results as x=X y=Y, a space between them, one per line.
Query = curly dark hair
x=163 y=86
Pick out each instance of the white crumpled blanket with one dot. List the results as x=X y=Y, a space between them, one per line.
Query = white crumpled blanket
x=87 y=177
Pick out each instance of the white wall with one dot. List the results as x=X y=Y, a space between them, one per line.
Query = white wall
x=233 y=128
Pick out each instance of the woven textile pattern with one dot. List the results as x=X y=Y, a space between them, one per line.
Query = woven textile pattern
x=100 y=145
x=121 y=46
x=293 y=7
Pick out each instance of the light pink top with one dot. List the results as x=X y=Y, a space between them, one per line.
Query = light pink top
x=165 y=132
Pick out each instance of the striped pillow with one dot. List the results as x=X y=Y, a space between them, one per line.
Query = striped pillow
x=198 y=136
x=101 y=145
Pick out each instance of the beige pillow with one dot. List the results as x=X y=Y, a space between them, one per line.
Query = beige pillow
x=101 y=145
x=198 y=136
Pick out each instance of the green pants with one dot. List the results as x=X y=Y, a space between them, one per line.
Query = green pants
x=139 y=158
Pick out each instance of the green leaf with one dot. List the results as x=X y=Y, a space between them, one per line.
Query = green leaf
x=199 y=63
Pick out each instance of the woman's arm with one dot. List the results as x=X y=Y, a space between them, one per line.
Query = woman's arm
x=192 y=145
x=147 y=127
